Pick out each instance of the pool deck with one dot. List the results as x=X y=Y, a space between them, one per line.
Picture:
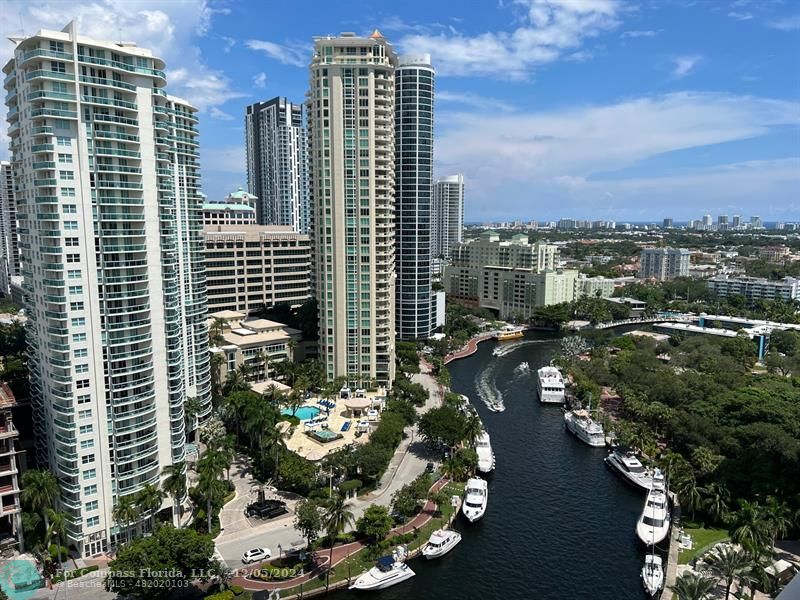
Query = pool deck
x=307 y=447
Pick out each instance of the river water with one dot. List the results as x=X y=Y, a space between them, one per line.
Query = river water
x=559 y=524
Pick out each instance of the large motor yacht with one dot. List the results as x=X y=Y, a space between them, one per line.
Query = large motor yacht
x=483 y=447
x=550 y=386
x=475 y=499
x=440 y=543
x=628 y=466
x=653 y=524
x=388 y=571
x=586 y=429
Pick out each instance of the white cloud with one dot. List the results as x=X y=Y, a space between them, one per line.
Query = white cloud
x=220 y=114
x=639 y=33
x=550 y=29
x=169 y=29
x=739 y=16
x=296 y=55
x=570 y=155
x=684 y=65
x=229 y=43
x=786 y=24
x=260 y=80
x=473 y=100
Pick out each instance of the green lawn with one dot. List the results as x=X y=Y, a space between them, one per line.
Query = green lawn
x=702 y=539
x=361 y=561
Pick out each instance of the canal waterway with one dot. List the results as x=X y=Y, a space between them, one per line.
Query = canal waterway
x=559 y=525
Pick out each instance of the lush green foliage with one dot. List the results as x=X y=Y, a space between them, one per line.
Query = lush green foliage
x=731 y=436
x=376 y=523
x=155 y=566
x=308 y=519
x=443 y=426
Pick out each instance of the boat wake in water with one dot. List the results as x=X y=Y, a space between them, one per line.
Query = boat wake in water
x=522 y=369
x=508 y=348
x=487 y=389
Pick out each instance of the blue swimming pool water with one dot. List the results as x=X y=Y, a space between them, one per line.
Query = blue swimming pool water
x=302 y=413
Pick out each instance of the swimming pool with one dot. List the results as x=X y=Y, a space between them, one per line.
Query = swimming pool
x=303 y=413
x=324 y=435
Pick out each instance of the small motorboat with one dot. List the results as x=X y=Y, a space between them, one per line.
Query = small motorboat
x=440 y=543
x=388 y=571
x=652 y=574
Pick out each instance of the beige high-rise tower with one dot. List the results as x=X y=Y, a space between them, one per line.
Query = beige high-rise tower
x=351 y=141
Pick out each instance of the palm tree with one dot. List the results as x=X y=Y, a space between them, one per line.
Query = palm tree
x=338 y=517
x=779 y=517
x=191 y=408
x=273 y=441
x=58 y=521
x=756 y=577
x=40 y=490
x=693 y=586
x=149 y=500
x=126 y=513
x=688 y=492
x=217 y=359
x=235 y=382
x=175 y=485
x=245 y=371
x=209 y=468
x=216 y=330
x=750 y=528
x=473 y=428
x=263 y=359
x=716 y=501
x=728 y=564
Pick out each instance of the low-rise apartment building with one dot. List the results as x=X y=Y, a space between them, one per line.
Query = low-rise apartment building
x=252 y=266
x=756 y=288
x=256 y=343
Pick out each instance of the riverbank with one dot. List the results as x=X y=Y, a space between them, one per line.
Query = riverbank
x=469 y=349
x=351 y=556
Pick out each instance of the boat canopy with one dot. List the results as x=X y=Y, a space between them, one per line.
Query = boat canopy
x=385 y=563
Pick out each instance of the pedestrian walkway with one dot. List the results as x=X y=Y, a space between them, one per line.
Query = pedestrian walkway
x=470 y=348
x=340 y=553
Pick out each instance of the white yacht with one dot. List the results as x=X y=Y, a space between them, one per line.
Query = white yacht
x=626 y=464
x=653 y=524
x=440 y=543
x=586 y=429
x=652 y=574
x=476 y=498
x=550 y=386
x=388 y=571
x=483 y=447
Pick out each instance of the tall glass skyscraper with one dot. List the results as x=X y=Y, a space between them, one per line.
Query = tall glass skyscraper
x=277 y=163
x=351 y=141
x=9 y=244
x=107 y=175
x=413 y=135
x=448 y=215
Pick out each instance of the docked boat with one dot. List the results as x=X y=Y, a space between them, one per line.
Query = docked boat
x=653 y=524
x=583 y=427
x=483 y=447
x=509 y=333
x=550 y=385
x=628 y=466
x=440 y=543
x=476 y=498
x=388 y=571
x=652 y=574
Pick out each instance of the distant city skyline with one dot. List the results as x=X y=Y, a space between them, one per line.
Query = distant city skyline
x=604 y=109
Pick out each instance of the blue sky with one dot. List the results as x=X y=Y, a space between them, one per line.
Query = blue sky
x=610 y=109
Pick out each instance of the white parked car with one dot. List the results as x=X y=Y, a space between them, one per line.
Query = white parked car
x=255 y=555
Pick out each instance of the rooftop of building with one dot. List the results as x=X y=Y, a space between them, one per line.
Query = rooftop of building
x=227 y=206
x=7 y=399
x=761 y=280
x=255 y=231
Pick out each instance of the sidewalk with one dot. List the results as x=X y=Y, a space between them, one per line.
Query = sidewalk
x=340 y=553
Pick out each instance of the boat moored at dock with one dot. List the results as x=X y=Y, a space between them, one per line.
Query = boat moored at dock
x=476 y=498
x=583 y=427
x=550 y=385
x=623 y=461
x=440 y=543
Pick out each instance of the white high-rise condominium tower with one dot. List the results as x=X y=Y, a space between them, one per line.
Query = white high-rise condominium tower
x=414 y=306
x=351 y=141
x=107 y=176
x=448 y=215
x=277 y=163
x=9 y=243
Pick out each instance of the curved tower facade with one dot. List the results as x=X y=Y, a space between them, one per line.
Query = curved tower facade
x=413 y=136
x=107 y=176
